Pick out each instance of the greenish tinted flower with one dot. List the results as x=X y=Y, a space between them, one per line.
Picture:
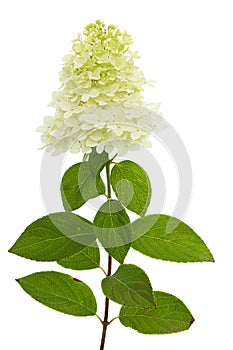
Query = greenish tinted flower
x=100 y=83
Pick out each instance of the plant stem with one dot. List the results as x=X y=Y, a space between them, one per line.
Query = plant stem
x=108 y=180
x=105 y=321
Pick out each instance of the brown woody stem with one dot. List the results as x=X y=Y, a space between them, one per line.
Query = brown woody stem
x=109 y=271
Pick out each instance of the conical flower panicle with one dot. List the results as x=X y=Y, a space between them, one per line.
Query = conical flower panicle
x=100 y=102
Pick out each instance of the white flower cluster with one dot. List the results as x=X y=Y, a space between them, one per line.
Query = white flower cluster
x=116 y=126
x=99 y=103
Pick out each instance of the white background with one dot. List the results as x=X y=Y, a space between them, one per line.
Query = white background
x=187 y=48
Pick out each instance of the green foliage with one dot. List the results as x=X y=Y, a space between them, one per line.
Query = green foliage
x=79 y=185
x=113 y=229
x=170 y=315
x=131 y=186
x=60 y=292
x=129 y=286
x=97 y=161
x=167 y=238
x=82 y=181
x=54 y=237
x=72 y=241
x=86 y=259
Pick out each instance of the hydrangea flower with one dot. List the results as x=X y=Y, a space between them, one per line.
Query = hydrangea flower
x=100 y=102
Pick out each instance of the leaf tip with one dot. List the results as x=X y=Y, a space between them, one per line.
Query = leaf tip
x=212 y=258
x=17 y=280
x=77 y=280
x=11 y=250
x=191 y=321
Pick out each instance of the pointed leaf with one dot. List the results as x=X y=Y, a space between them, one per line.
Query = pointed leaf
x=169 y=239
x=60 y=292
x=113 y=229
x=131 y=186
x=129 y=286
x=169 y=316
x=97 y=161
x=86 y=259
x=79 y=185
x=54 y=237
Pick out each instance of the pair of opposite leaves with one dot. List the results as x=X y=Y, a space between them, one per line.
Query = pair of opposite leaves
x=133 y=190
x=145 y=310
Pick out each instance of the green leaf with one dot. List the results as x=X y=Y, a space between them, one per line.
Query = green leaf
x=86 y=259
x=54 y=237
x=113 y=229
x=169 y=316
x=60 y=292
x=129 y=286
x=79 y=185
x=167 y=238
x=131 y=186
x=97 y=161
